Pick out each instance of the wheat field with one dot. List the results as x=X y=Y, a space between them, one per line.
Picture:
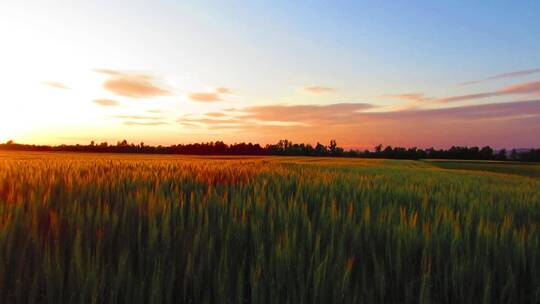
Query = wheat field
x=105 y=228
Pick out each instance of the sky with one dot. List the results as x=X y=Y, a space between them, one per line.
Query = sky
x=401 y=73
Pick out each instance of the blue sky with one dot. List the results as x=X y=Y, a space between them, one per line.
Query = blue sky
x=263 y=54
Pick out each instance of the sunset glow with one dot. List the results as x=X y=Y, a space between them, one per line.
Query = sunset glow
x=269 y=151
x=363 y=74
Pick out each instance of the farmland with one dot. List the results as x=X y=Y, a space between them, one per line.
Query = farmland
x=112 y=228
x=524 y=169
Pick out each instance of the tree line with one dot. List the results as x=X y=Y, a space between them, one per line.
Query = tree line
x=288 y=148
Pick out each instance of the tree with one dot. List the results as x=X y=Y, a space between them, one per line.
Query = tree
x=501 y=155
x=514 y=155
x=320 y=149
x=486 y=152
x=333 y=145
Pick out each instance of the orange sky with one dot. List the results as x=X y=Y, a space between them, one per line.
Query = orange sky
x=177 y=73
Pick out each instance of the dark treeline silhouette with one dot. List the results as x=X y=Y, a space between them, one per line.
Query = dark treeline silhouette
x=286 y=147
x=211 y=148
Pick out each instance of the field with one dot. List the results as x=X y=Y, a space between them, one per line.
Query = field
x=525 y=169
x=96 y=228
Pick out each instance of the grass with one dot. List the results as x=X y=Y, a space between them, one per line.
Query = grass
x=84 y=228
x=517 y=168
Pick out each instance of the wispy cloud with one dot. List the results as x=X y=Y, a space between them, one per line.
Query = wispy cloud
x=496 y=124
x=204 y=96
x=106 y=102
x=56 y=84
x=132 y=85
x=109 y=72
x=308 y=114
x=143 y=123
x=490 y=111
x=466 y=97
x=223 y=90
x=213 y=123
x=528 y=88
x=523 y=88
x=504 y=75
x=280 y=116
x=317 y=89
x=216 y=114
x=141 y=117
x=211 y=96
x=415 y=97
x=141 y=120
x=188 y=124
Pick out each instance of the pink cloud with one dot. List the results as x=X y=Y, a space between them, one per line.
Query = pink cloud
x=510 y=124
x=317 y=89
x=106 y=102
x=339 y=112
x=504 y=75
x=528 y=88
x=223 y=90
x=214 y=96
x=204 y=96
x=467 y=97
x=138 y=117
x=216 y=114
x=56 y=84
x=132 y=85
x=143 y=123
x=523 y=88
x=416 y=97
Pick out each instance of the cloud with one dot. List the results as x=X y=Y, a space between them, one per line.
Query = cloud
x=504 y=75
x=212 y=96
x=216 y=114
x=317 y=89
x=189 y=124
x=523 y=88
x=466 y=97
x=509 y=124
x=56 y=84
x=141 y=120
x=528 y=88
x=415 y=97
x=109 y=72
x=490 y=111
x=140 y=123
x=308 y=114
x=213 y=123
x=141 y=117
x=355 y=113
x=106 y=102
x=132 y=85
x=204 y=96
x=206 y=120
x=223 y=90
x=280 y=116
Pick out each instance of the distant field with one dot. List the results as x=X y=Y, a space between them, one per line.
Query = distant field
x=116 y=228
x=517 y=168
